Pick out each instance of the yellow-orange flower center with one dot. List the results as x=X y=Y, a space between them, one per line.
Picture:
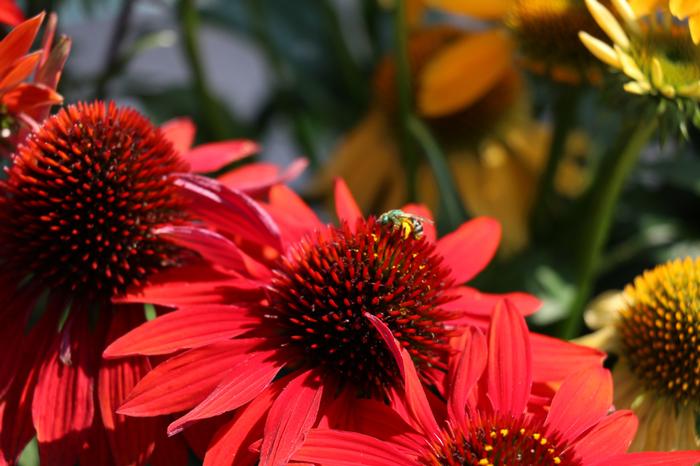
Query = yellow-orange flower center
x=660 y=327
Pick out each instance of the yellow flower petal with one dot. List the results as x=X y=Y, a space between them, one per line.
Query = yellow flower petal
x=490 y=9
x=684 y=8
x=608 y=23
x=694 y=24
x=600 y=49
x=462 y=72
x=629 y=66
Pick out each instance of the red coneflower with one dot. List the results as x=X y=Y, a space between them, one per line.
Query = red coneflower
x=296 y=297
x=79 y=208
x=491 y=417
x=23 y=104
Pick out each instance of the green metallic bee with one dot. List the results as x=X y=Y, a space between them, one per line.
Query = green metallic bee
x=409 y=224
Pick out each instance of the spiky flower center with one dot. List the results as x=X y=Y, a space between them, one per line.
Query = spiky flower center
x=547 y=31
x=497 y=441
x=660 y=329
x=324 y=286
x=82 y=197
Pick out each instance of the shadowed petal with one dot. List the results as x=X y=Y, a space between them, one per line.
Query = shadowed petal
x=256 y=179
x=555 y=359
x=216 y=155
x=473 y=301
x=220 y=251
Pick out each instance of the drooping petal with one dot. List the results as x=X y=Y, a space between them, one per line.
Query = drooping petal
x=21 y=70
x=473 y=301
x=230 y=442
x=30 y=97
x=180 y=132
x=613 y=435
x=214 y=156
x=583 y=399
x=63 y=408
x=415 y=396
x=186 y=328
x=554 y=359
x=346 y=208
x=338 y=448
x=185 y=380
x=470 y=248
x=244 y=382
x=465 y=369
x=510 y=360
x=229 y=211
x=290 y=418
x=218 y=250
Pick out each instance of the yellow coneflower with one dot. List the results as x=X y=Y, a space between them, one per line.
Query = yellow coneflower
x=656 y=53
x=495 y=150
x=654 y=329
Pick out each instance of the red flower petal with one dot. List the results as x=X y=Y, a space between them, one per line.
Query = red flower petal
x=16 y=428
x=345 y=206
x=290 y=418
x=291 y=213
x=474 y=302
x=613 y=435
x=185 y=380
x=554 y=359
x=186 y=328
x=180 y=132
x=470 y=248
x=63 y=407
x=583 y=399
x=20 y=70
x=256 y=179
x=13 y=319
x=10 y=13
x=466 y=367
x=674 y=458
x=220 y=251
x=510 y=360
x=416 y=398
x=30 y=96
x=244 y=382
x=338 y=448
x=18 y=41
x=214 y=156
x=231 y=211
x=231 y=441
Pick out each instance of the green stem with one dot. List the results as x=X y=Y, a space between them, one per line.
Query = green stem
x=189 y=25
x=605 y=194
x=564 y=118
x=350 y=72
x=449 y=196
x=403 y=82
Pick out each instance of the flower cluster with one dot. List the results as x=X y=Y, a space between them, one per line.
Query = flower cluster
x=162 y=300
